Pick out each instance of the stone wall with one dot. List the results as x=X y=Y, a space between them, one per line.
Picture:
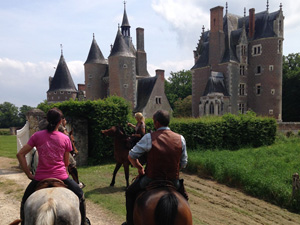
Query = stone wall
x=285 y=127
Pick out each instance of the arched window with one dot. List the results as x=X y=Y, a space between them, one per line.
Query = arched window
x=211 y=108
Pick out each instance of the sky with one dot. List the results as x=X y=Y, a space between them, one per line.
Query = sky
x=32 y=32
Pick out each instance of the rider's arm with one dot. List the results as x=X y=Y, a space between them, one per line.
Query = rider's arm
x=136 y=164
x=143 y=146
x=22 y=160
x=184 y=156
x=66 y=160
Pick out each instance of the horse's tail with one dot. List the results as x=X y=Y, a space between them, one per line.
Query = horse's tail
x=166 y=209
x=47 y=213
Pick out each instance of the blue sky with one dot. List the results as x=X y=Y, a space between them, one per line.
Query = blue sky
x=32 y=31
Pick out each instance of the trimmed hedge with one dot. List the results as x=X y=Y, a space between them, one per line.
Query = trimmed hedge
x=100 y=114
x=226 y=132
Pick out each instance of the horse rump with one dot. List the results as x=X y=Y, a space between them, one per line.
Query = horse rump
x=166 y=209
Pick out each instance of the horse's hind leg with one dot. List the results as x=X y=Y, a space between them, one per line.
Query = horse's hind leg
x=126 y=169
x=118 y=165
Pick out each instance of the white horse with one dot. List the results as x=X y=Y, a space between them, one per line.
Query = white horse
x=52 y=206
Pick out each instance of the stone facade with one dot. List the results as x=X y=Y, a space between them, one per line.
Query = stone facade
x=238 y=65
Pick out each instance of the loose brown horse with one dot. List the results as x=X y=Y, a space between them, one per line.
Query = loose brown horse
x=121 y=149
x=162 y=206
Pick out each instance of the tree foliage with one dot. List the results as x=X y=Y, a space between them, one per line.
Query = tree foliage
x=12 y=116
x=178 y=86
x=290 y=88
x=183 y=107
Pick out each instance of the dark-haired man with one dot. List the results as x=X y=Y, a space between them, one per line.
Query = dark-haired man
x=166 y=155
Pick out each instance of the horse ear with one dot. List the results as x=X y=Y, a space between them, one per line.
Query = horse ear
x=71 y=132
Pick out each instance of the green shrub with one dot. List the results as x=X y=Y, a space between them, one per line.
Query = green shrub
x=100 y=114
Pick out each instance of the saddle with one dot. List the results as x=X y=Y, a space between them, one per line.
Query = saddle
x=50 y=182
x=160 y=183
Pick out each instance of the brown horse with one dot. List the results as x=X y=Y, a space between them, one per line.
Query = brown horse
x=162 y=206
x=120 y=151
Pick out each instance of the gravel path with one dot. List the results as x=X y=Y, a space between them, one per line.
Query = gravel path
x=211 y=203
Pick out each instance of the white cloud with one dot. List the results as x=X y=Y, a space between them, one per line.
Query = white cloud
x=26 y=83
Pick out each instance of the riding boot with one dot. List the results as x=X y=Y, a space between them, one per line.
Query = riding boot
x=129 y=207
x=82 y=208
x=182 y=190
x=22 y=214
x=74 y=173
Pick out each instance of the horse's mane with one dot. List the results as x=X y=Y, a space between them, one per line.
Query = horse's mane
x=47 y=213
x=166 y=209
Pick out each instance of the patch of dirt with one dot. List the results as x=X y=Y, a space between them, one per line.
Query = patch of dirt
x=12 y=186
x=211 y=203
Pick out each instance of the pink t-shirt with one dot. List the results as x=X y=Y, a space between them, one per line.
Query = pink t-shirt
x=51 y=147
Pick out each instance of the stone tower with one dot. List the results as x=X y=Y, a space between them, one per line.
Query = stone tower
x=238 y=64
x=96 y=69
x=61 y=85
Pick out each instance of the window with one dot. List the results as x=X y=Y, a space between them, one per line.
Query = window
x=258 y=70
x=242 y=108
x=211 y=108
x=61 y=92
x=280 y=25
x=279 y=46
x=242 y=88
x=158 y=100
x=90 y=76
x=243 y=50
x=271 y=67
x=242 y=70
x=256 y=50
x=258 y=89
x=270 y=111
x=272 y=91
x=125 y=66
x=125 y=85
x=69 y=92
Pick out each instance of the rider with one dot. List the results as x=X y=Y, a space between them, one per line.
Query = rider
x=53 y=148
x=72 y=169
x=140 y=127
x=166 y=154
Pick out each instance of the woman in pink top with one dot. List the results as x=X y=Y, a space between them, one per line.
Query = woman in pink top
x=53 y=148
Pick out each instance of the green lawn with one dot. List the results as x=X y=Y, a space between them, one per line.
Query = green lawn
x=8 y=146
x=264 y=172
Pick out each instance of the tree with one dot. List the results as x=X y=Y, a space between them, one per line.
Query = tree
x=24 y=109
x=9 y=115
x=183 y=108
x=290 y=88
x=178 y=85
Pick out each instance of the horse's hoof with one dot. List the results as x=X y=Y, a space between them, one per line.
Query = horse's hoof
x=112 y=185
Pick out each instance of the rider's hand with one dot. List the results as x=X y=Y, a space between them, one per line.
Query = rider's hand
x=141 y=171
x=30 y=176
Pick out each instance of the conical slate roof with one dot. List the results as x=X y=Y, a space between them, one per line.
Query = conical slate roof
x=62 y=80
x=120 y=47
x=95 y=54
x=125 y=22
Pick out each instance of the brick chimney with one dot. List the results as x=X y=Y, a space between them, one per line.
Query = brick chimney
x=217 y=37
x=251 y=22
x=140 y=39
x=161 y=79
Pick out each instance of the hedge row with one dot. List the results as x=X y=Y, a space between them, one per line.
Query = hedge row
x=100 y=114
x=229 y=131
x=226 y=132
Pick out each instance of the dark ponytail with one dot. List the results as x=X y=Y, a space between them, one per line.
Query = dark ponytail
x=54 y=116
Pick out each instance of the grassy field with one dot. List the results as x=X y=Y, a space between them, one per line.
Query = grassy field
x=264 y=172
x=8 y=146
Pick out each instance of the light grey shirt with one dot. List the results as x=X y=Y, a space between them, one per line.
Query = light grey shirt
x=145 y=145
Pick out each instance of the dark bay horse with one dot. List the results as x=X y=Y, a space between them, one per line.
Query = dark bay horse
x=162 y=206
x=121 y=149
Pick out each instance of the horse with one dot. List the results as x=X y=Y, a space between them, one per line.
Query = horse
x=121 y=150
x=162 y=205
x=55 y=205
